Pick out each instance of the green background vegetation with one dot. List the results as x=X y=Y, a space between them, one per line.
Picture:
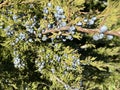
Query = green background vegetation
x=99 y=67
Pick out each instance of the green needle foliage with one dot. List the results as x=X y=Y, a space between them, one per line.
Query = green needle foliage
x=48 y=45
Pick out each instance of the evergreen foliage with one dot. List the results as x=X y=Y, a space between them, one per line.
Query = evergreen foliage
x=59 y=44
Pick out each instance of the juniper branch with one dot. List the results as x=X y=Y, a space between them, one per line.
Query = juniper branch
x=8 y=3
x=63 y=83
x=4 y=3
x=85 y=30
